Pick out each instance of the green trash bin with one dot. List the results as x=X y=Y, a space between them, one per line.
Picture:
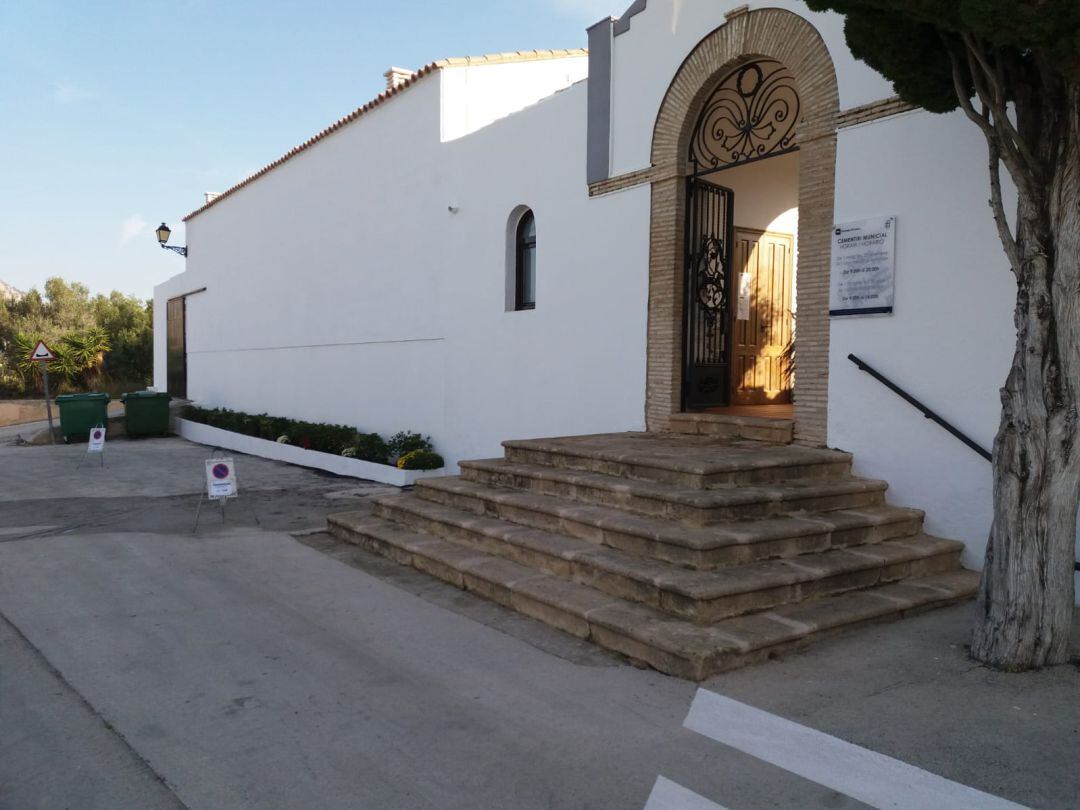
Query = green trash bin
x=146 y=413
x=80 y=413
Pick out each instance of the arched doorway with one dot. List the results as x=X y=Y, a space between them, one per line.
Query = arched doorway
x=741 y=231
x=775 y=60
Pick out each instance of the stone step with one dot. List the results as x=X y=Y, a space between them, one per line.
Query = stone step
x=699 y=547
x=685 y=461
x=729 y=426
x=691 y=506
x=700 y=596
x=666 y=643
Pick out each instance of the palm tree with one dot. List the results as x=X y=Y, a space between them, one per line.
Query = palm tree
x=82 y=354
x=80 y=357
x=19 y=351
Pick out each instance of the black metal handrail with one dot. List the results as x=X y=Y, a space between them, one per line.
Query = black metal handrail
x=929 y=414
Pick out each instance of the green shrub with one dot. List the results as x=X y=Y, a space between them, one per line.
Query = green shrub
x=371 y=447
x=421 y=460
x=332 y=438
x=405 y=442
x=337 y=439
x=265 y=427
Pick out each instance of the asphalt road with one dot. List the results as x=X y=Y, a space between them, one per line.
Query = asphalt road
x=145 y=665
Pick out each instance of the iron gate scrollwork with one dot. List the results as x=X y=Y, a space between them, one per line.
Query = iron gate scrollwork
x=710 y=234
x=752 y=114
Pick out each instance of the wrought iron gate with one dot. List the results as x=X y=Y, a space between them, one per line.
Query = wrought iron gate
x=707 y=317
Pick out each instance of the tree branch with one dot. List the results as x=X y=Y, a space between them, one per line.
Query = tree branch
x=983 y=121
x=1003 y=147
x=994 y=76
x=1008 y=149
x=997 y=205
x=965 y=100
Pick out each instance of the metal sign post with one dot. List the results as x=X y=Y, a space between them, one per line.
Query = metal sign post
x=44 y=355
x=48 y=401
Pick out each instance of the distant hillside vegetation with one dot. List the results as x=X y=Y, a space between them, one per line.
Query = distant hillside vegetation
x=9 y=293
x=101 y=342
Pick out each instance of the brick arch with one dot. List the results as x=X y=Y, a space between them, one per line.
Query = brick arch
x=792 y=40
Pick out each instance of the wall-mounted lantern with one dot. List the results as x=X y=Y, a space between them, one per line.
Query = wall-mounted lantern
x=163 y=237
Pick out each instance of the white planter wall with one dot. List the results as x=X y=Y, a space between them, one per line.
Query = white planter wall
x=263 y=448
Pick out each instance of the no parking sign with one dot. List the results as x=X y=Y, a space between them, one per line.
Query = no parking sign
x=97 y=440
x=220 y=479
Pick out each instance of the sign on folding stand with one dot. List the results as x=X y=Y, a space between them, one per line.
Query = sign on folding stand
x=97 y=440
x=95 y=444
x=220 y=479
x=220 y=486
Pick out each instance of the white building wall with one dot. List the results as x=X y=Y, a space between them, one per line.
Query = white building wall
x=474 y=96
x=575 y=364
x=342 y=288
x=320 y=303
x=646 y=58
x=949 y=342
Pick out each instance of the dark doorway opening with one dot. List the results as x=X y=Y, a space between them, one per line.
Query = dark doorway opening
x=176 y=347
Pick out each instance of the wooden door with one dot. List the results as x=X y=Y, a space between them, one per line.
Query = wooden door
x=760 y=372
x=176 y=347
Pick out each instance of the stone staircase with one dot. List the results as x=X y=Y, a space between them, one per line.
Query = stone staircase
x=692 y=553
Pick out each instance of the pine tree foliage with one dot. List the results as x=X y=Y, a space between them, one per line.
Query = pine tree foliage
x=913 y=42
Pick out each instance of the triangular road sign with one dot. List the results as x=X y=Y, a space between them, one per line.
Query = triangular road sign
x=42 y=352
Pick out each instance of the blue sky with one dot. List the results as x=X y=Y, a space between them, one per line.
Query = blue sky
x=118 y=114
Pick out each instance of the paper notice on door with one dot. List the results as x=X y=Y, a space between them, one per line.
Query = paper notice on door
x=745 y=280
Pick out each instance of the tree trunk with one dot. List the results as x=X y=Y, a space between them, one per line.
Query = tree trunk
x=1026 y=599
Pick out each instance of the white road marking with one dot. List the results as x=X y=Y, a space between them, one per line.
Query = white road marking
x=667 y=795
x=870 y=777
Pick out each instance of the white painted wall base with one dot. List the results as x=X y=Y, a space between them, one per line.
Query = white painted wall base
x=264 y=448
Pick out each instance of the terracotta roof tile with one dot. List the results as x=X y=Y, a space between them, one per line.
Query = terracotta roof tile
x=382 y=98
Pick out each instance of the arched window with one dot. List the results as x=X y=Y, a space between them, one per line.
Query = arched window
x=525 y=263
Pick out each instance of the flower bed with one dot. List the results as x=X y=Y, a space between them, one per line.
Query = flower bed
x=404 y=459
x=263 y=448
